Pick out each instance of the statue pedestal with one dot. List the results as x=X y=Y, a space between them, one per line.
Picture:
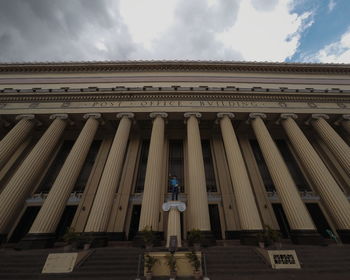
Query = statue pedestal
x=174 y=225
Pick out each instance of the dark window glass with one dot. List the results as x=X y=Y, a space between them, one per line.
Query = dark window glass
x=264 y=172
x=88 y=164
x=55 y=167
x=208 y=166
x=141 y=173
x=292 y=165
x=176 y=162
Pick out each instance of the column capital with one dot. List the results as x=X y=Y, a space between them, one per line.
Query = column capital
x=316 y=117
x=96 y=116
x=25 y=116
x=28 y=117
x=225 y=114
x=319 y=116
x=286 y=116
x=59 y=116
x=195 y=114
x=255 y=116
x=92 y=115
x=174 y=204
x=127 y=115
x=342 y=118
x=153 y=115
x=346 y=117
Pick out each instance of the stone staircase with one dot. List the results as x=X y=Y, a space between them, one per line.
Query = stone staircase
x=110 y=263
x=104 y=263
x=242 y=262
x=22 y=264
x=231 y=261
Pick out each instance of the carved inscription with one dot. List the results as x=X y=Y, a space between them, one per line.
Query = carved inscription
x=178 y=103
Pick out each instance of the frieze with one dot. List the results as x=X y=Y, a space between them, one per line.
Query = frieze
x=229 y=104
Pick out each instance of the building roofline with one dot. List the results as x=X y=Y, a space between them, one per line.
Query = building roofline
x=174 y=65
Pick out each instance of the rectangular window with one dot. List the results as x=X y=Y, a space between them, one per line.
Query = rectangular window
x=208 y=166
x=141 y=173
x=176 y=162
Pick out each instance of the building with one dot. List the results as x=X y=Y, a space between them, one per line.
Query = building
x=91 y=146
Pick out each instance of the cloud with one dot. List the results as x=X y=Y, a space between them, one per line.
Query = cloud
x=191 y=34
x=49 y=30
x=39 y=30
x=266 y=5
x=331 y=5
x=272 y=35
x=337 y=52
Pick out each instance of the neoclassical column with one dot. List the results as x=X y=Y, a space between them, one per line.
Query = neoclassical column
x=99 y=215
x=197 y=191
x=334 y=142
x=346 y=123
x=174 y=225
x=247 y=209
x=42 y=232
x=21 y=183
x=303 y=230
x=15 y=137
x=327 y=187
x=150 y=207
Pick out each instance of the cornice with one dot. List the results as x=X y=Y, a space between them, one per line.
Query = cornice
x=154 y=94
x=185 y=66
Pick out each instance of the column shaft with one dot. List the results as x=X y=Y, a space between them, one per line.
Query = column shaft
x=334 y=142
x=55 y=203
x=22 y=181
x=246 y=206
x=302 y=227
x=14 y=138
x=328 y=189
x=174 y=226
x=197 y=191
x=103 y=202
x=153 y=180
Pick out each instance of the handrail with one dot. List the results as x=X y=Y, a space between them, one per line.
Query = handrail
x=138 y=268
x=205 y=275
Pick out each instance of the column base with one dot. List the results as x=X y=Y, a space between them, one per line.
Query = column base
x=232 y=234
x=306 y=237
x=97 y=239
x=249 y=237
x=36 y=241
x=344 y=235
x=139 y=242
x=116 y=236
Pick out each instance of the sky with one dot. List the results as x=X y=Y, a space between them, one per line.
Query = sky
x=312 y=31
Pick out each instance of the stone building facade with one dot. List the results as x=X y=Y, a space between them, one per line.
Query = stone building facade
x=91 y=146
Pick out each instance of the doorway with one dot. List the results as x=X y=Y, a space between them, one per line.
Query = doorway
x=281 y=219
x=318 y=218
x=24 y=223
x=66 y=220
x=134 y=222
x=215 y=224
